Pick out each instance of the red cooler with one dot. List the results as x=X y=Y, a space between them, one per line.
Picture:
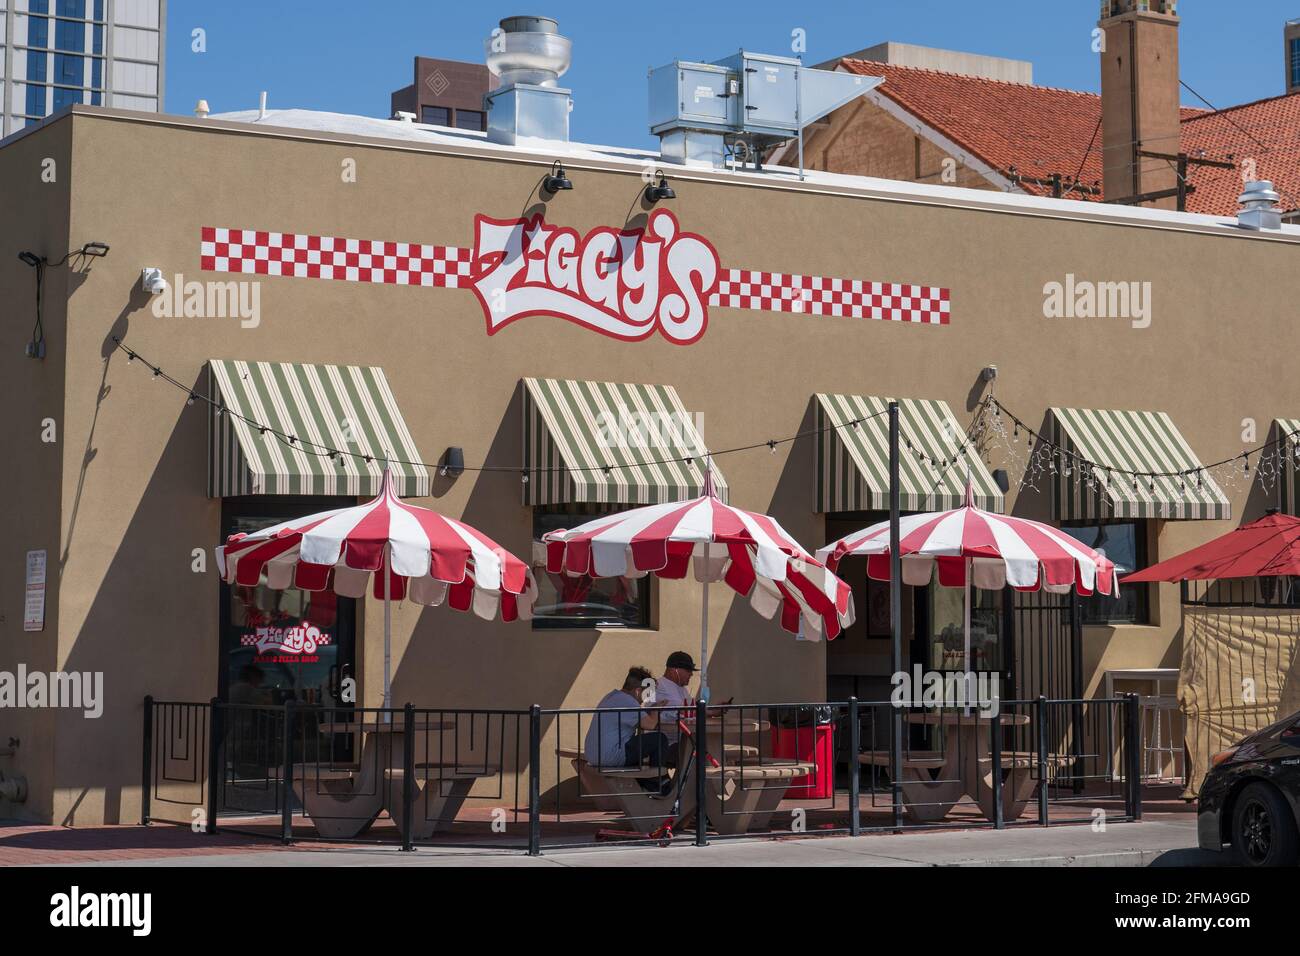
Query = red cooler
x=815 y=745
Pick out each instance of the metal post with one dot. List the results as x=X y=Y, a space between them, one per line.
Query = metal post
x=895 y=621
x=535 y=780
x=701 y=755
x=215 y=770
x=1134 y=774
x=1076 y=691
x=286 y=784
x=995 y=746
x=408 y=777
x=146 y=772
x=855 y=784
x=1040 y=714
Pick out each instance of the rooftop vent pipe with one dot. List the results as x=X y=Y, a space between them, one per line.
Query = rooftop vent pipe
x=1259 y=209
x=529 y=56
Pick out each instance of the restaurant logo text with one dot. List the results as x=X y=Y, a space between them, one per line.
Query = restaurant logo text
x=295 y=644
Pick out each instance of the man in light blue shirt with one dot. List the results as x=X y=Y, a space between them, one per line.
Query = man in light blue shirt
x=608 y=734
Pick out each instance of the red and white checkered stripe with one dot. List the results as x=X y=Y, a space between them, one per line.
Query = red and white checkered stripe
x=817 y=295
x=329 y=257
x=304 y=256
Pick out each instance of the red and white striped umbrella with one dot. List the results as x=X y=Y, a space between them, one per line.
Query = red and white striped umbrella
x=972 y=546
x=751 y=553
x=998 y=549
x=420 y=554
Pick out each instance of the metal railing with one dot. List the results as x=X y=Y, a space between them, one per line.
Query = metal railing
x=528 y=779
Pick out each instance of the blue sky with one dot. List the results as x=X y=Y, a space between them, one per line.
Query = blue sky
x=348 y=56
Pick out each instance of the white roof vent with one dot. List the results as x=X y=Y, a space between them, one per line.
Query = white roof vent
x=1259 y=209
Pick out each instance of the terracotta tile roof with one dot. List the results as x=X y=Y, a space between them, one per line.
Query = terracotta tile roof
x=1040 y=130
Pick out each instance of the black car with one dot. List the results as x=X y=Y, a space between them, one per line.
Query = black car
x=1251 y=797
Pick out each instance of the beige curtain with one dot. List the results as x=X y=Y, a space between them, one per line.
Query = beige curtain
x=1240 y=672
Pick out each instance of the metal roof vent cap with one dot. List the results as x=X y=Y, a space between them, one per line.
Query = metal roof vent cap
x=529 y=56
x=1259 y=209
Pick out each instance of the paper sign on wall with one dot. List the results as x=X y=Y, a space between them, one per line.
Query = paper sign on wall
x=34 y=606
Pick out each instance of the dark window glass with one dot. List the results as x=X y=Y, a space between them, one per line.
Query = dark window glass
x=38 y=32
x=581 y=602
x=36 y=66
x=1295 y=61
x=283 y=645
x=69 y=36
x=38 y=6
x=948 y=629
x=96 y=99
x=97 y=74
x=69 y=69
x=35 y=100
x=470 y=119
x=99 y=9
x=435 y=115
x=64 y=97
x=1125 y=543
x=97 y=40
x=71 y=8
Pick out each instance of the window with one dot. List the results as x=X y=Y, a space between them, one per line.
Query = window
x=1125 y=543
x=63 y=97
x=470 y=119
x=35 y=100
x=69 y=70
x=1295 y=61
x=38 y=32
x=948 y=629
x=69 y=36
x=36 y=66
x=435 y=115
x=582 y=602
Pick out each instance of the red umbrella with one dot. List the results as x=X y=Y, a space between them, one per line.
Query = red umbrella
x=1269 y=547
x=973 y=546
x=751 y=553
x=408 y=551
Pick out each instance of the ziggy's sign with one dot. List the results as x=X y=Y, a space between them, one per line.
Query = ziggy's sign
x=625 y=283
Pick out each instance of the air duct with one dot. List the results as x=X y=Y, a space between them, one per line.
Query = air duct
x=529 y=56
x=1259 y=209
x=735 y=109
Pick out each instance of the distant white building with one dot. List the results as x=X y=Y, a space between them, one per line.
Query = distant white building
x=98 y=52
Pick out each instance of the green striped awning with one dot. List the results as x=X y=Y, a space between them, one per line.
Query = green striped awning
x=853 y=460
x=1288 y=433
x=344 y=407
x=573 y=431
x=1131 y=442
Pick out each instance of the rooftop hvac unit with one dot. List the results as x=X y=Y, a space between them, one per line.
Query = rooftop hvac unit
x=736 y=108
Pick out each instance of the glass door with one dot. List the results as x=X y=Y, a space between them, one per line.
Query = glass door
x=286 y=645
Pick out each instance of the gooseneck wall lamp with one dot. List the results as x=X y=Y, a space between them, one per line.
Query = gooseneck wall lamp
x=95 y=250
x=557 y=179
x=656 y=192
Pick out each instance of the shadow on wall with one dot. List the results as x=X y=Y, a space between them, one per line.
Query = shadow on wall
x=460 y=660
x=151 y=626
x=755 y=660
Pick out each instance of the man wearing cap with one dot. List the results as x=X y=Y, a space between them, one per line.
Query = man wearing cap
x=672 y=691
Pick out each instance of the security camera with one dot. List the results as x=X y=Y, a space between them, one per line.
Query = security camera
x=152 y=281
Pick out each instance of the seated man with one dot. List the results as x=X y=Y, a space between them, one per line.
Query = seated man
x=610 y=735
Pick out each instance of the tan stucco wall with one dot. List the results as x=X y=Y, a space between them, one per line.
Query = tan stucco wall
x=36 y=172
x=129 y=603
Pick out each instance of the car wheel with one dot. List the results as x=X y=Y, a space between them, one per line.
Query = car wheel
x=1263 y=829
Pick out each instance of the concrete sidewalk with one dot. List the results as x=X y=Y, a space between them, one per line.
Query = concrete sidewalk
x=1162 y=841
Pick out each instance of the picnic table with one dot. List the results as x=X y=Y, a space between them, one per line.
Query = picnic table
x=933 y=782
x=343 y=800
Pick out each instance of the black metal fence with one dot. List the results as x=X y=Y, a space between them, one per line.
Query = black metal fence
x=529 y=779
